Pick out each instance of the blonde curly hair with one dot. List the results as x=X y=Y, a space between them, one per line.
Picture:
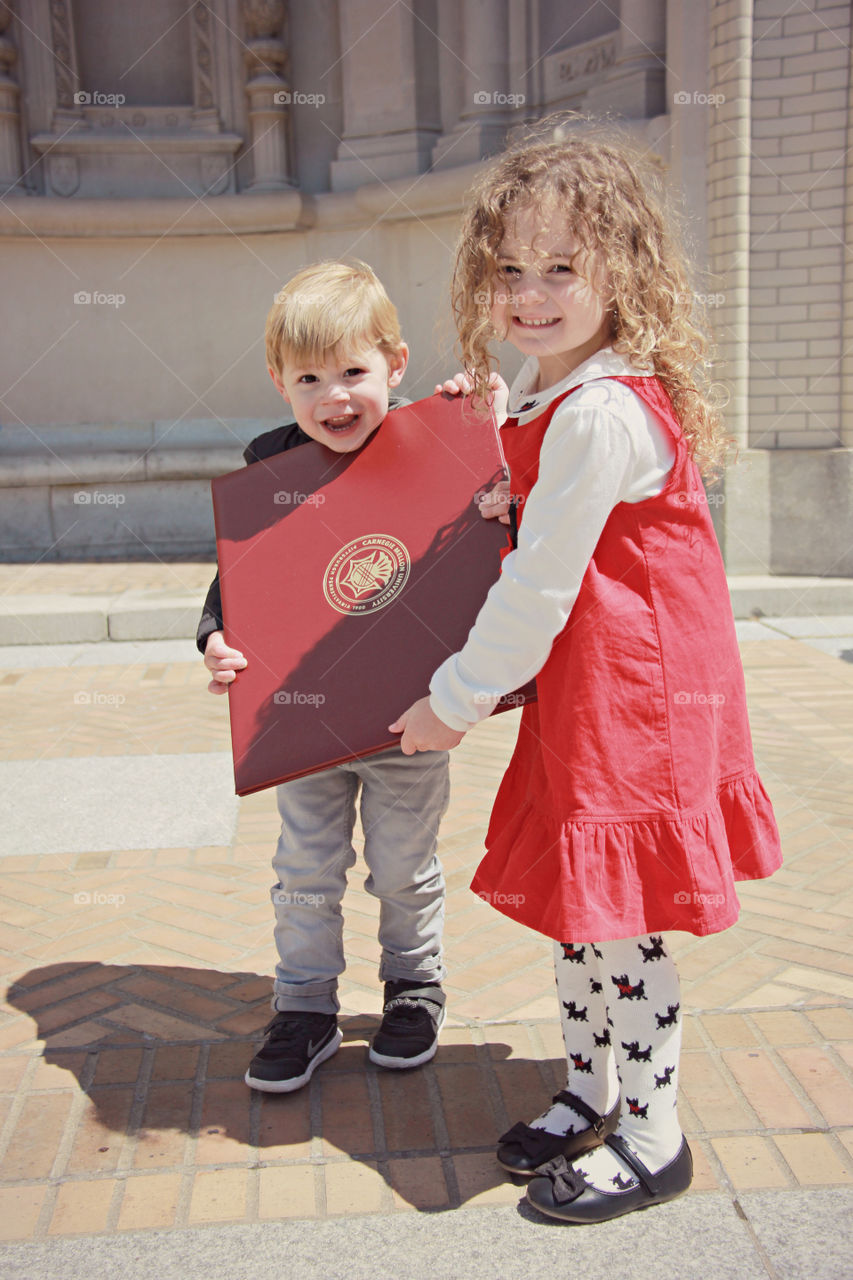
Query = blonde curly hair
x=610 y=195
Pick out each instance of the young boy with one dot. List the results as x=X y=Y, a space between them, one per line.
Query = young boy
x=334 y=351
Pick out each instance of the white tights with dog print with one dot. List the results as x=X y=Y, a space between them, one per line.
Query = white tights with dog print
x=620 y=1012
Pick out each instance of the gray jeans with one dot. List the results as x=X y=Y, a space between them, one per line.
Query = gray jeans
x=403 y=799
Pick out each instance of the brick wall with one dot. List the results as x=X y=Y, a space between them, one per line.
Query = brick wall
x=799 y=136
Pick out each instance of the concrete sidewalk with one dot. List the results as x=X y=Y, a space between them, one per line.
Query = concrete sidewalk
x=136 y=950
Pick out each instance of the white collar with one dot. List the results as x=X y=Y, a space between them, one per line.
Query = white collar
x=606 y=363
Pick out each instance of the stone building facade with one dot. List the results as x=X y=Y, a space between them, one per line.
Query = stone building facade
x=165 y=167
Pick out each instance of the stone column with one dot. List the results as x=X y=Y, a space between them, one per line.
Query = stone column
x=489 y=107
x=10 y=145
x=635 y=86
x=268 y=92
x=390 y=92
x=744 y=525
x=847 y=291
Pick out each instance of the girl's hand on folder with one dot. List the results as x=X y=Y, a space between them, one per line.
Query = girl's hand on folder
x=496 y=502
x=423 y=731
x=462 y=385
x=222 y=661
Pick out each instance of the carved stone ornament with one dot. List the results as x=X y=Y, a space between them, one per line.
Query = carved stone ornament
x=202 y=57
x=64 y=61
x=63 y=175
x=263 y=18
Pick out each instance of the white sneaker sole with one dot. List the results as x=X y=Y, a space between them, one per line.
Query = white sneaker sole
x=400 y=1064
x=290 y=1086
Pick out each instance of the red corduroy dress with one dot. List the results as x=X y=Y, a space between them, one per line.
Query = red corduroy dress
x=631 y=804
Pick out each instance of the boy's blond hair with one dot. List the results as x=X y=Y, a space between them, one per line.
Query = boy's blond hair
x=330 y=306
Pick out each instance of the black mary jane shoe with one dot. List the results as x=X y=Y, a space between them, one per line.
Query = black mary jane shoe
x=559 y=1190
x=523 y=1149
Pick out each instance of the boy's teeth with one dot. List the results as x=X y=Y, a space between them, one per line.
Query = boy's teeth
x=343 y=421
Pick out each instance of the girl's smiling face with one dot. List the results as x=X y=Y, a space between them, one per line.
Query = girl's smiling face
x=545 y=306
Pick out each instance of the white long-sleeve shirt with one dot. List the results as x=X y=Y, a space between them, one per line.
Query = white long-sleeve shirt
x=603 y=446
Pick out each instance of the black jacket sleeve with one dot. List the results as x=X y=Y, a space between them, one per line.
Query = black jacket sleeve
x=279 y=440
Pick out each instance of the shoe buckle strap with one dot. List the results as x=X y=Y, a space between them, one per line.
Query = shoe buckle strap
x=651 y=1181
x=577 y=1104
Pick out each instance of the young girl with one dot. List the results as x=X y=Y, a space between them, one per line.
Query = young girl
x=631 y=804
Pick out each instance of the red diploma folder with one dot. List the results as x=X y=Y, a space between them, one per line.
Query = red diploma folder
x=347 y=579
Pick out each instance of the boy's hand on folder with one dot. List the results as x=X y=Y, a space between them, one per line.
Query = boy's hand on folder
x=423 y=731
x=222 y=661
x=462 y=385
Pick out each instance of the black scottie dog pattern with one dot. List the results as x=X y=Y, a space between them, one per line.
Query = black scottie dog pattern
x=665 y=1079
x=573 y=1012
x=580 y=1063
x=629 y=990
x=573 y=953
x=634 y=1108
x=655 y=951
x=668 y=1019
x=603 y=1039
x=595 y=987
x=635 y=1053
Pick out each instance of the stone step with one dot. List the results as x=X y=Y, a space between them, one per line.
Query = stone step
x=58 y=618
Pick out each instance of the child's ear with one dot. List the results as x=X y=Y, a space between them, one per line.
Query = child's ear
x=397 y=365
x=279 y=385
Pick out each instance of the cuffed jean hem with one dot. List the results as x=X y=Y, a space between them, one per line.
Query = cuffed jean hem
x=290 y=999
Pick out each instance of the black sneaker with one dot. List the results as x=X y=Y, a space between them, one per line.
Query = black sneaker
x=295 y=1044
x=411 y=1020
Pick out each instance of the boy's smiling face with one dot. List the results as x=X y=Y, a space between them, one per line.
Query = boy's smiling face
x=340 y=400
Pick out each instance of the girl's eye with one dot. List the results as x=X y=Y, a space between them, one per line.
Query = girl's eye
x=562 y=268
x=353 y=373
x=511 y=272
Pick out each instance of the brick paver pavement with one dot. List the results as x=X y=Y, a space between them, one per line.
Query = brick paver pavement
x=138 y=981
